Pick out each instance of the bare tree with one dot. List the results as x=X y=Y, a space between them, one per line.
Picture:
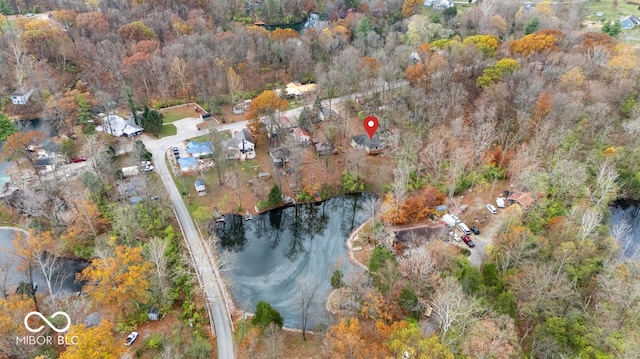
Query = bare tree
x=606 y=185
x=274 y=339
x=308 y=288
x=155 y=253
x=589 y=220
x=418 y=266
x=453 y=310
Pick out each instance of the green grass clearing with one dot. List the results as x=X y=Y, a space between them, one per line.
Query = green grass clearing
x=609 y=11
x=7 y=25
x=168 y=129
x=177 y=113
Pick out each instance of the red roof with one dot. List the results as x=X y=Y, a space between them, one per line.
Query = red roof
x=523 y=198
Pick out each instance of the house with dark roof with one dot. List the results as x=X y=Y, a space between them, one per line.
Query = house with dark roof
x=279 y=155
x=325 y=149
x=629 y=22
x=371 y=146
x=239 y=146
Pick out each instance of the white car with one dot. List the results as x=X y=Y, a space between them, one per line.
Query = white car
x=131 y=338
x=29 y=15
x=492 y=209
x=455 y=236
x=148 y=168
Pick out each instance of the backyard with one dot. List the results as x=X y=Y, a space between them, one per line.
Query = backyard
x=609 y=11
x=176 y=113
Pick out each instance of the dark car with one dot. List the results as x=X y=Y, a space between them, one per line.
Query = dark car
x=79 y=159
x=466 y=239
x=475 y=230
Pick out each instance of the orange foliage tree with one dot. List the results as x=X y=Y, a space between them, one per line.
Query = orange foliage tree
x=348 y=340
x=21 y=145
x=121 y=280
x=284 y=34
x=539 y=42
x=136 y=31
x=417 y=206
x=12 y=311
x=266 y=104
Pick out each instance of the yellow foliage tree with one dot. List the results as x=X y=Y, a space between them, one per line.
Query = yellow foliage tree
x=121 y=280
x=625 y=60
x=284 y=34
x=573 y=78
x=12 y=311
x=409 y=339
x=96 y=342
x=488 y=44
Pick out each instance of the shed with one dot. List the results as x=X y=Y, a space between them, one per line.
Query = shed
x=325 y=149
x=154 y=314
x=441 y=209
x=200 y=187
x=134 y=200
x=21 y=97
x=523 y=198
x=206 y=116
x=92 y=320
x=130 y=171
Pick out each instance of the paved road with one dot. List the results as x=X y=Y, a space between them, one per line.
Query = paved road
x=202 y=258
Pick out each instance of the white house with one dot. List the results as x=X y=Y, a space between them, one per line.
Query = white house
x=240 y=146
x=118 y=126
x=21 y=97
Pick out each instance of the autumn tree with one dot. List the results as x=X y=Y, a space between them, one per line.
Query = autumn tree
x=94 y=342
x=536 y=43
x=43 y=251
x=21 y=145
x=409 y=7
x=492 y=337
x=345 y=340
x=120 y=279
x=269 y=104
x=494 y=73
x=12 y=312
x=409 y=340
x=487 y=44
x=136 y=31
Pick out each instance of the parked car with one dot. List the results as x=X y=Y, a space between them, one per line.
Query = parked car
x=79 y=159
x=475 y=230
x=145 y=163
x=29 y=15
x=176 y=153
x=506 y=193
x=455 y=218
x=492 y=209
x=71 y=173
x=466 y=239
x=463 y=227
x=131 y=338
x=455 y=236
x=148 y=168
x=500 y=202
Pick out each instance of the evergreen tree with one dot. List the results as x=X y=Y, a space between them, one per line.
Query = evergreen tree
x=266 y=315
x=132 y=104
x=532 y=26
x=275 y=195
x=6 y=127
x=84 y=115
x=616 y=29
x=152 y=121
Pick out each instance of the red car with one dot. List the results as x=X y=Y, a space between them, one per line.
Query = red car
x=468 y=241
x=79 y=159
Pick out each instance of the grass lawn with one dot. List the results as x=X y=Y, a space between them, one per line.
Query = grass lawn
x=178 y=113
x=168 y=129
x=609 y=11
x=4 y=26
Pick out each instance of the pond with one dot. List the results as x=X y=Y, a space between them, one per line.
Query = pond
x=625 y=218
x=284 y=251
x=63 y=281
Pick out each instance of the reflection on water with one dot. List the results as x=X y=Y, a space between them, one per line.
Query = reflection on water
x=279 y=251
x=625 y=226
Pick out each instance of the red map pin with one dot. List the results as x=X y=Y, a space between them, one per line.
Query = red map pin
x=371 y=125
